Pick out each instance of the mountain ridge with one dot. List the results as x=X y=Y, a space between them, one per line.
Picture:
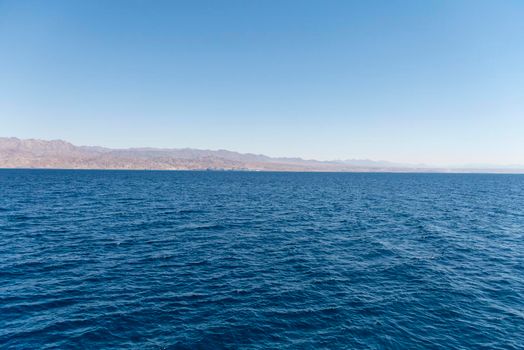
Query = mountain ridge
x=36 y=153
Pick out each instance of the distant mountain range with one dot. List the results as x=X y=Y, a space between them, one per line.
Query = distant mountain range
x=32 y=153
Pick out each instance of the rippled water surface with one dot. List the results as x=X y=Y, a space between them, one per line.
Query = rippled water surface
x=234 y=260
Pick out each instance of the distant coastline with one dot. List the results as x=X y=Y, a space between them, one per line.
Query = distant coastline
x=18 y=153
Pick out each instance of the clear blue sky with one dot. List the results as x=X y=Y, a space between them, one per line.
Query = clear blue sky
x=438 y=82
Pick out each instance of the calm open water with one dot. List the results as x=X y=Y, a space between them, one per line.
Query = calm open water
x=235 y=260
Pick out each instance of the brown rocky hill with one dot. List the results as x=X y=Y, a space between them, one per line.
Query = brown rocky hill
x=58 y=154
x=31 y=153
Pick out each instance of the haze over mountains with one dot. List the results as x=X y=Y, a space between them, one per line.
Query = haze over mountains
x=59 y=154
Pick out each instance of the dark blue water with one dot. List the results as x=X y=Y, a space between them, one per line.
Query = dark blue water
x=212 y=260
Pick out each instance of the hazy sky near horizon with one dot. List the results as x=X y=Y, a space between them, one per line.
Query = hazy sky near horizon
x=436 y=82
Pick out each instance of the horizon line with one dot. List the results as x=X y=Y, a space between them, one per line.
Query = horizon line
x=394 y=164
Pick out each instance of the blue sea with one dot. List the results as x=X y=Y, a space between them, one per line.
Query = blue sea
x=246 y=260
